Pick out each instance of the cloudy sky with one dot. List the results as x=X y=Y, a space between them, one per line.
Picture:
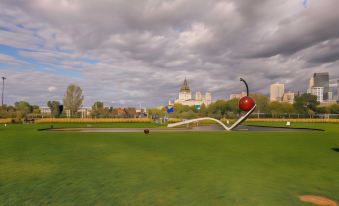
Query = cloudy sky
x=139 y=52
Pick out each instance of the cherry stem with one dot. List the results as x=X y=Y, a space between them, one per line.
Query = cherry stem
x=241 y=79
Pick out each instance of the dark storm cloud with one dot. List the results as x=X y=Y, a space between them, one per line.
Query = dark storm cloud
x=303 y=30
x=324 y=52
x=139 y=52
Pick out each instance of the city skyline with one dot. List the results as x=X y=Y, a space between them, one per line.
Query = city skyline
x=129 y=58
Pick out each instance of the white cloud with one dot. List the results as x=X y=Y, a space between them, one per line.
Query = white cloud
x=51 y=89
x=198 y=34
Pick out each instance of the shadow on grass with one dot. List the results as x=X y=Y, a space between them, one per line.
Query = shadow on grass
x=335 y=149
x=44 y=129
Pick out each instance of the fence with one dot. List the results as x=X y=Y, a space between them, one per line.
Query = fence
x=294 y=116
x=293 y=120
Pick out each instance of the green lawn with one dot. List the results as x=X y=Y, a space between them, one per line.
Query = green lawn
x=182 y=168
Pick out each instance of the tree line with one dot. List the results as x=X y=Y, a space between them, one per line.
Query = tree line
x=305 y=105
x=71 y=102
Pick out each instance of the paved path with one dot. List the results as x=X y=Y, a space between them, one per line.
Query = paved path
x=254 y=128
x=195 y=129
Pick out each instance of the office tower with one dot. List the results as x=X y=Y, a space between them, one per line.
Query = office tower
x=276 y=92
x=198 y=96
x=311 y=83
x=330 y=95
x=208 y=98
x=322 y=80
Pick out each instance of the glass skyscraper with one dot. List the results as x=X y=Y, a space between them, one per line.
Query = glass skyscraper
x=322 y=80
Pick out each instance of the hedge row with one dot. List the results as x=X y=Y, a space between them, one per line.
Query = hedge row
x=5 y=121
x=92 y=120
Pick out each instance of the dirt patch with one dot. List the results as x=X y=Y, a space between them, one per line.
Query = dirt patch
x=318 y=200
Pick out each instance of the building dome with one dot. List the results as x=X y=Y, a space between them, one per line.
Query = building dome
x=185 y=87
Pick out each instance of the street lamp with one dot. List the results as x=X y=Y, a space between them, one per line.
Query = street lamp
x=3 y=88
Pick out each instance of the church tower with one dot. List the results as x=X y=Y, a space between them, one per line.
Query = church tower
x=185 y=92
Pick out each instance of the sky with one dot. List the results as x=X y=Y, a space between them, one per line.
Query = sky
x=131 y=53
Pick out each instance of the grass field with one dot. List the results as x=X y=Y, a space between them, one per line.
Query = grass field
x=181 y=168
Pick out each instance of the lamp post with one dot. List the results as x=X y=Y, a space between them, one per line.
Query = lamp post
x=3 y=89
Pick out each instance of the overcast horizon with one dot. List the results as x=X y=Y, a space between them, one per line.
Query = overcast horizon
x=127 y=53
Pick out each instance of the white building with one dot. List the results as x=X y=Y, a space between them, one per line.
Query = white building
x=45 y=110
x=85 y=111
x=185 y=96
x=276 y=92
x=317 y=91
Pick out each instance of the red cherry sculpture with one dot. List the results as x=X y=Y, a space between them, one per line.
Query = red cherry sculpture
x=246 y=103
x=146 y=131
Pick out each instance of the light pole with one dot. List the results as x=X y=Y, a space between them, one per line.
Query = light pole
x=3 y=89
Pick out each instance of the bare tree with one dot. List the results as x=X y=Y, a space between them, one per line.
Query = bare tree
x=73 y=98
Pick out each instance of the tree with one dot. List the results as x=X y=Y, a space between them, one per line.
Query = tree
x=157 y=112
x=334 y=109
x=22 y=107
x=98 y=110
x=221 y=107
x=73 y=98
x=98 y=105
x=10 y=111
x=189 y=115
x=233 y=105
x=130 y=112
x=276 y=108
x=4 y=111
x=55 y=108
x=323 y=110
x=261 y=101
x=203 y=111
x=306 y=103
x=10 y=108
x=35 y=109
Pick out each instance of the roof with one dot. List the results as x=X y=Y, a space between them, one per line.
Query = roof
x=185 y=87
x=321 y=74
